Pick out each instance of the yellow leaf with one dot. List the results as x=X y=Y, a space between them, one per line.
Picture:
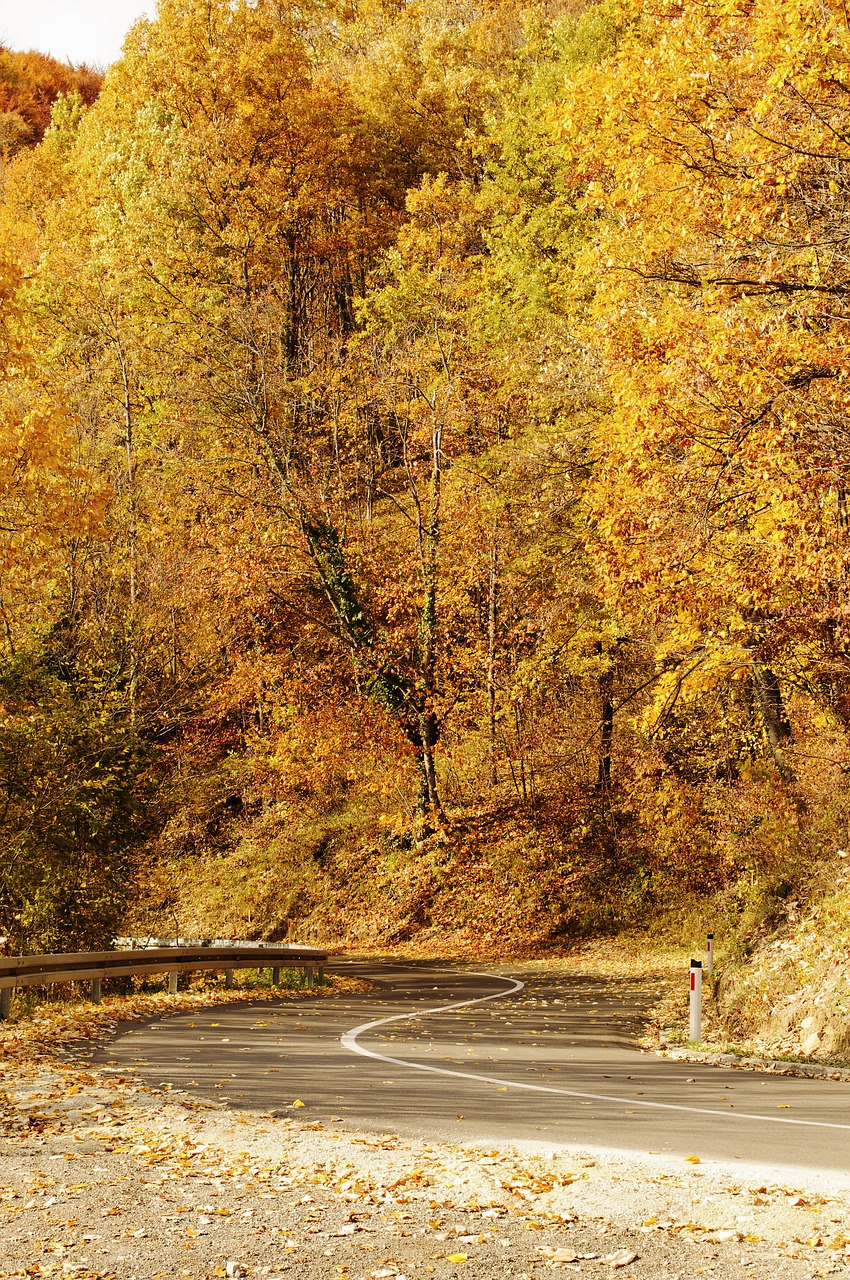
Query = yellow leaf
x=456 y=1257
x=298 y=1103
x=692 y=1160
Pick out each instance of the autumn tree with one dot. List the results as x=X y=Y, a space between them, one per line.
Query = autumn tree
x=717 y=273
x=240 y=195
x=449 y=395
x=70 y=764
x=30 y=83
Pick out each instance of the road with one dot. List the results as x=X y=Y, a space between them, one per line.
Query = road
x=439 y=1050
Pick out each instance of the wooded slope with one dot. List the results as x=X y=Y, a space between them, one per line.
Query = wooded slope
x=425 y=443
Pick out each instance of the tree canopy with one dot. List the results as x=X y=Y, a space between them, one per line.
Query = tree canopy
x=421 y=411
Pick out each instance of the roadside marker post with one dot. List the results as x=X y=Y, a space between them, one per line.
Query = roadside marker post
x=709 y=953
x=696 y=1000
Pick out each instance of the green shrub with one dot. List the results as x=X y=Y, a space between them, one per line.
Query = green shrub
x=70 y=767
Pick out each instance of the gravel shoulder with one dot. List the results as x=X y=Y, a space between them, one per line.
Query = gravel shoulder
x=102 y=1177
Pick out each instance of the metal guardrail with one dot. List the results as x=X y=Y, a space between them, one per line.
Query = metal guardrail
x=145 y=943
x=142 y=943
x=94 y=966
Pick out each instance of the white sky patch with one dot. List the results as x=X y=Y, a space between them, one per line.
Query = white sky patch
x=89 y=31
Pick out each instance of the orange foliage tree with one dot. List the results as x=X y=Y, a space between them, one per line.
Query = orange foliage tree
x=30 y=83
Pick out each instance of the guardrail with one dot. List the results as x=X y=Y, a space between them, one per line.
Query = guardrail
x=143 y=944
x=94 y=966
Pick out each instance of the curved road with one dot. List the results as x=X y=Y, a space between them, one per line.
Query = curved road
x=442 y=1051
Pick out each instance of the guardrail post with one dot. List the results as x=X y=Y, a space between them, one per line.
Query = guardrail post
x=228 y=979
x=95 y=990
x=709 y=953
x=311 y=976
x=172 y=983
x=696 y=1000
x=275 y=977
x=320 y=971
x=5 y=1003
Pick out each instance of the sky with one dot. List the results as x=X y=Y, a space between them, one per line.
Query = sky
x=89 y=31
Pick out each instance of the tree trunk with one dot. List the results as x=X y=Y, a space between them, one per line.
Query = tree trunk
x=606 y=727
x=491 y=657
x=776 y=722
x=430 y=737
x=520 y=746
x=606 y=735
x=292 y=325
x=130 y=454
x=7 y=629
x=429 y=540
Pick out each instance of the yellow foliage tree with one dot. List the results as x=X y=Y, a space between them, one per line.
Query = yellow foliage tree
x=715 y=193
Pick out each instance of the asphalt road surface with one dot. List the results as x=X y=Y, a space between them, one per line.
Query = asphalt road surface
x=440 y=1051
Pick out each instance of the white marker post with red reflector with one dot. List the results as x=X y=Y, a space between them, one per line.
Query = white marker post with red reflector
x=709 y=953
x=696 y=1000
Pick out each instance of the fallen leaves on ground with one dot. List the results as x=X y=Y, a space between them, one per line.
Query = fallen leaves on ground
x=54 y=1028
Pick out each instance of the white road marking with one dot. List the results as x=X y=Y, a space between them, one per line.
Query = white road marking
x=350 y=1041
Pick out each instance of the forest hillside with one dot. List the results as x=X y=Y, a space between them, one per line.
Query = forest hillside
x=423 y=484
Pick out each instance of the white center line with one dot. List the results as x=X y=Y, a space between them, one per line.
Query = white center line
x=350 y=1041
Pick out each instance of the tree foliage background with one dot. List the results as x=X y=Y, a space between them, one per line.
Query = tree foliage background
x=423 y=466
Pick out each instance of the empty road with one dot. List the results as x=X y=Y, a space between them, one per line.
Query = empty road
x=440 y=1050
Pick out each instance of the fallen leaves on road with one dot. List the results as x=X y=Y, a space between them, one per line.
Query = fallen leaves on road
x=196 y=1144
